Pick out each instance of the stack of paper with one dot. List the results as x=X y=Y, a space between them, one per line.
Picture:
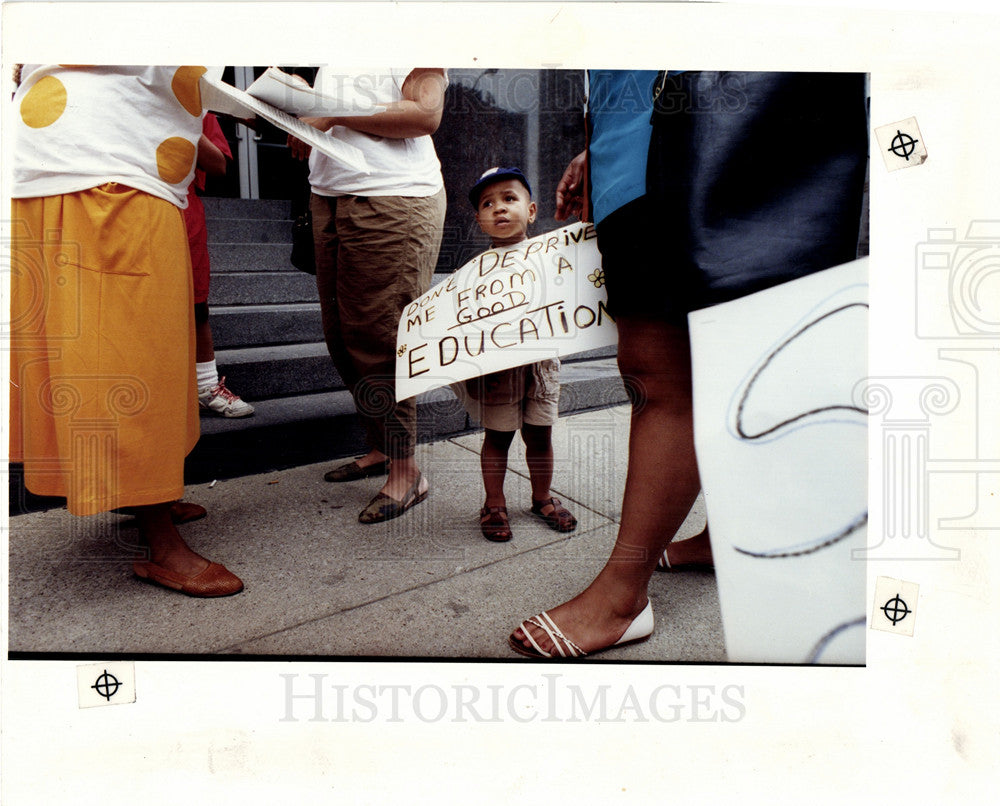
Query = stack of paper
x=291 y=95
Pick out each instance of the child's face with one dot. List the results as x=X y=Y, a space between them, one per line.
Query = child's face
x=505 y=211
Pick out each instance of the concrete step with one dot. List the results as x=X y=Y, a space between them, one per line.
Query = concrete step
x=295 y=323
x=590 y=384
x=216 y=207
x=591 y=355
x=248 y=230
x=268 y=287
x=250 y=257
x=262 y=287
x=292 y=431
x=256 y=373
x=241 y=325
x=308 y=428
x=289 y=432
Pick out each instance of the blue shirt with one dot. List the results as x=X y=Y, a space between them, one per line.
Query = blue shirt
x=620 y=105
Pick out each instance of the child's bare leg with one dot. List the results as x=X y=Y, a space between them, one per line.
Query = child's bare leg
x=493 y=521
x=661 y=486
x=493 y=461
x=538 y=452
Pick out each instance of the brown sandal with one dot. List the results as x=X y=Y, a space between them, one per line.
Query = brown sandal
x=560 y=518
x=494 y=524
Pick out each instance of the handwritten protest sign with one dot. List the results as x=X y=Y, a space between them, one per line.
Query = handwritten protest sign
x=541 y=298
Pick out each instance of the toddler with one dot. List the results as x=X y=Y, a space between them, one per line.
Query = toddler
x=523 y=398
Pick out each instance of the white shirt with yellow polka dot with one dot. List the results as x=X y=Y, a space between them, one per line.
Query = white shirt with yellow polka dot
x=79 y=127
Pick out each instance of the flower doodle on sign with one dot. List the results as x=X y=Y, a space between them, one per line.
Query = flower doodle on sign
x=401 y=351
x=597 y=278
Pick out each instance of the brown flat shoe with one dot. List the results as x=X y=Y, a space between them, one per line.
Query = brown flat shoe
x=384 y=507
x=494 y=524
x=560 y=518
x=353 y=471
x=215 y=580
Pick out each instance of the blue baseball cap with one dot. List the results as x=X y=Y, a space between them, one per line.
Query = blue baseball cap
x=496 y=175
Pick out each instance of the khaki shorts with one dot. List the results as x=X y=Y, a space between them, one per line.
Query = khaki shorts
x=508 y=401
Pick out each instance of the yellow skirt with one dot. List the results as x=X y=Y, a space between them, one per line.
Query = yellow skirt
x=103 y=404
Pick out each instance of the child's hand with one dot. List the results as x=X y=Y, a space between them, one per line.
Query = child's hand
x=569 y=191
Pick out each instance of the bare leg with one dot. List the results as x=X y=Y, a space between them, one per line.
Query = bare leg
x=373 y=457
x=661 y=486
x=166 y=546
x=493 y=461
x=402 y=474
x=204 y=346
x=538 y=449
x=538 y=452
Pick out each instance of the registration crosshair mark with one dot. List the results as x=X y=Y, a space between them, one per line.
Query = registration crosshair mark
x=903 y=145
x=895 y=610
x=107 y=685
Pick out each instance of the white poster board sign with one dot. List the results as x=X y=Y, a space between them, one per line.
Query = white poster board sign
x=781 y=437
x=510 y=306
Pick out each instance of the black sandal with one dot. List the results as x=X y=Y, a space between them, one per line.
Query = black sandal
x=494 y=524
x=560 y=518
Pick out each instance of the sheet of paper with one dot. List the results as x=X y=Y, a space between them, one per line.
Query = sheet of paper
x=220 y=97
x=507 y=307
x=295 y=96
x=782 y=450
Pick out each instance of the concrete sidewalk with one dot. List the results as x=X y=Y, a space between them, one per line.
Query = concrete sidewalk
x=318 y=583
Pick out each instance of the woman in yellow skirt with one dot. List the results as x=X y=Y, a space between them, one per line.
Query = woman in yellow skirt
x=103 y=397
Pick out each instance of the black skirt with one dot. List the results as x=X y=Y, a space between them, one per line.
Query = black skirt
x=753 y=179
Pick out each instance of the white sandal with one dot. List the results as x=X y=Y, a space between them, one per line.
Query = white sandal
x=663 y=564
x=639 y=630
